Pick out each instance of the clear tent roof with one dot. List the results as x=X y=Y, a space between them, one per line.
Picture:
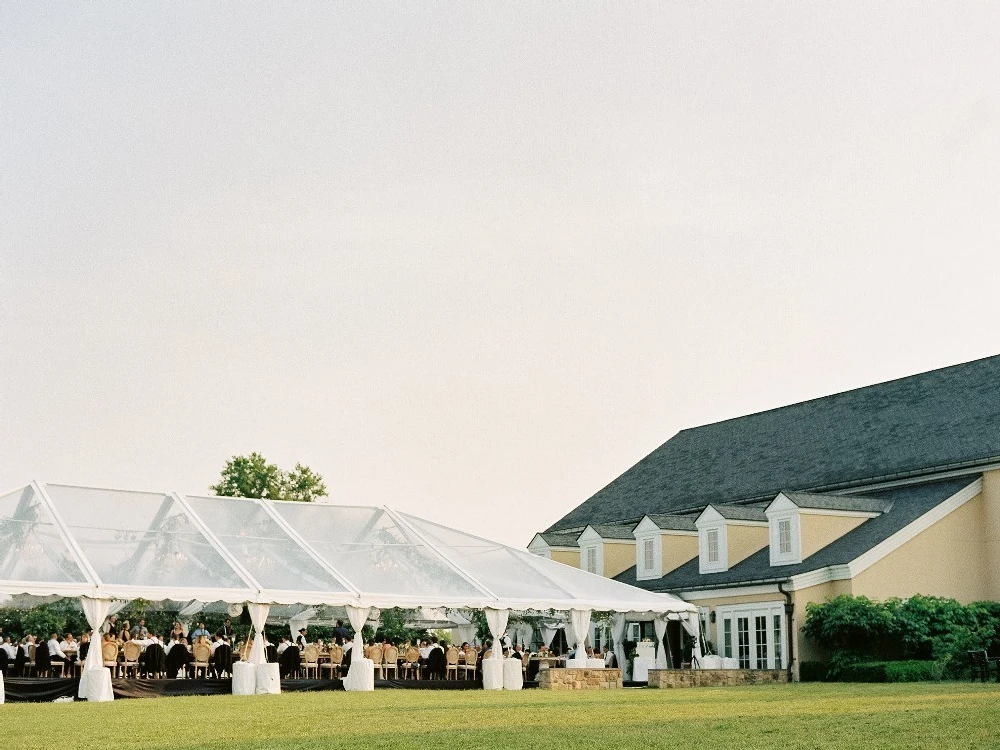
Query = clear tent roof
x=71 y=541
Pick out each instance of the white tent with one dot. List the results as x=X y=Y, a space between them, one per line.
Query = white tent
x=68 y=541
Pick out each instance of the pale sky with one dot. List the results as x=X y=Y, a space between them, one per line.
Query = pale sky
x=475 y=260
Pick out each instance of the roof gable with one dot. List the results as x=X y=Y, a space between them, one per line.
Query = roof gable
x=915 y=425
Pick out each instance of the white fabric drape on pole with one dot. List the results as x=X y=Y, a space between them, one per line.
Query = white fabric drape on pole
x=497 y=620
x=660 y=625
x=258 y=616
x=187 y=613
x=463 y=634
x=300 y=621
x=618 y=636
x=549 y=634
x=692 y=624
x=361 y=675
x=525 y=633
x=579 y=623
x=95 y=680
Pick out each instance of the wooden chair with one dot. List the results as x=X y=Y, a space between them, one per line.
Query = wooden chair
x=109 y=652
x=390 y=662
x=469 y=668
x=336 y=662
x=131 y=652
x=202 y=654
x=979 y=665
x=488 y=654
x=525 y=660
x=451 y=662
x=375 y=654
x=310 y=660
x=411 y=662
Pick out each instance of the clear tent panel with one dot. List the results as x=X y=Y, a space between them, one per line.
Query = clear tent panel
x=264 y=549
x=31 y=547
x=496 y=566
x=141 y=539
x=373 y=552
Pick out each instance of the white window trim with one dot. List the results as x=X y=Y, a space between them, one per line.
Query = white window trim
x=750 y=611
x=642 y=573
x=793 y=556
x=598 y=558
x=704 y=564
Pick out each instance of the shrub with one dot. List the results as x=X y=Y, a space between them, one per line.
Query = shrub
x=913 y=671
x=869 y=671
x=813 y=671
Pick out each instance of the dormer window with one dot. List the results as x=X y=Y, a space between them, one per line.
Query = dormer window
x=648 y=559
x=784 y=538
x=590 y=554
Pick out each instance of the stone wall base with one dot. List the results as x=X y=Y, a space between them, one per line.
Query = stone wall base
x=670 y=678
x=580 y=679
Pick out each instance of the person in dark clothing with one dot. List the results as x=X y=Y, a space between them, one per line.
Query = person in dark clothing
x=340 y=634
x=288 y=663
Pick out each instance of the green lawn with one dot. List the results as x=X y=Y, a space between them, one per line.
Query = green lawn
x=943 y=715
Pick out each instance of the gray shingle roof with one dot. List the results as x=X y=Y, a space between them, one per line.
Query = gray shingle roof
x=741 y=512
x=673 y=523
x=554 y=539
x=906 y=505
x=614 y=531
x=854 y=503
x=908 y=427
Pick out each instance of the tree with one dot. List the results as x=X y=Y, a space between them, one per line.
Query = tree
x=303 y=485
x=253 y=476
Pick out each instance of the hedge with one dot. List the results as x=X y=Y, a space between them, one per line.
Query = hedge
x=892 y=671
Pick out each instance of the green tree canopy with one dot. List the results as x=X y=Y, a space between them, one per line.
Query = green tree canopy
x=254 y=476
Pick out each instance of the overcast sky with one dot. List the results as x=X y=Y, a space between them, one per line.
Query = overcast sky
x=474 y=260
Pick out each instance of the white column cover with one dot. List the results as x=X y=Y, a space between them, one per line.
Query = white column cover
x=618 y=636
x=692 y=624
x=660 y=624
x=95 y=681
x=579 y=623
x=497 y=620
x=1 y=690
x=360 y=675
x=258 y=616
x=548 y=633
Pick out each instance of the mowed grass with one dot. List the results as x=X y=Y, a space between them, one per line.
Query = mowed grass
x=945 y=715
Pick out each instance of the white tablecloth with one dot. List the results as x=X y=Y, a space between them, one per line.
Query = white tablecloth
x=595 y=663
x=710 y=661
x=492 y=674
x=513 y=678
x=95 y=685
x=640 y=668
x=730 y=663
x=244 y=678
x=268 y=679
x=363 y=679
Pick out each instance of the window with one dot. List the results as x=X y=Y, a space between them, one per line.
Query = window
x=633 y=632
x=712 y=537
x=727 y=638
x=591 y=559
x=777 y=641
x=743 y=641
x=648 y=563
x=760 y=625
x=785 y=536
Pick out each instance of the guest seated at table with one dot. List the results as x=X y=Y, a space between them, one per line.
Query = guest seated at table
x=57 y=657
x=289 y=662
x=178 y=657
x=9 y=648
x=139 y=630
x=199 y=631
x=283 y=644
x=84 y=646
